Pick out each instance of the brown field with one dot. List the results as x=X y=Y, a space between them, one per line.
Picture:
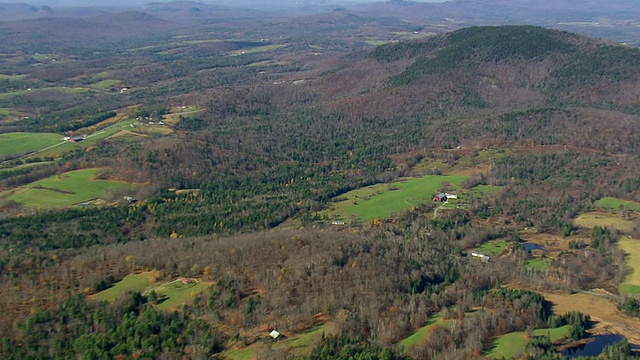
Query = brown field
x=602 y=309
x=603 y=219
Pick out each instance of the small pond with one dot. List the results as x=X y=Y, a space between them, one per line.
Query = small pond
x=529 y=247
x=595 y=347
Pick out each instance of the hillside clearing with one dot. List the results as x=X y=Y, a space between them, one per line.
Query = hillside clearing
x=513 y=344
x=132 y=282
x=64 y=190
x=601 y=309
x=383 y=200
x=595 y=218
x=631 y=283
x=617 y=204
x=24 y=142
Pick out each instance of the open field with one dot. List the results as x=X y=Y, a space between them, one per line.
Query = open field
x=172 y=294
x=63 y=89
x=299 y=344
x=63 y=190
x=11 y=77
x=592 y=219
x=20 y=142
x=421 y=333
x=132 y=282
x=483 y=190
x=267 y=63
x=173 y=117
x=10 y=169
x=493 y=248
x=176 y=293
x=257 y=49
x=105 y=84
x=383 y=200
x=540 y=264
x=617 y=204
x=513 y=344
x=602 y=310
x=6 y=111
x=631 y=284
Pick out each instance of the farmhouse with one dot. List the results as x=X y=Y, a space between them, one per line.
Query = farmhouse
x=482 y=257
x=76 y=138
x=440 y=197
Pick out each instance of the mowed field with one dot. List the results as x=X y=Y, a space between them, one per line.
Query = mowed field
x=172 y=294
x=595 y=218
x=24 y=142
x=617 y=204
x=63 y=190
x=298 y=344
x=513 y=344
x=631 y=284
x=132 y=282
x=383 y=200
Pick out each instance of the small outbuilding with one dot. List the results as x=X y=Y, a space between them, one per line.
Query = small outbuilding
x=440 y=197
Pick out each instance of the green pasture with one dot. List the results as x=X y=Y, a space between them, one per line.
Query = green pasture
x=513 y=344
x=132 y=282
x=175 y=294
x=377 y=42
x=493 y=248
x=631 y=284
x=91 y=140
x=28 y=165
x=266 y=63
x=540 y=264
x=24 y=142
x=6 y=111
x=383 y=200
x=64 y=89
x=485 y=190
x=299 y=344
x=43 y=57
x=11 y=77
x=419 y=335
x=617 y=204
x=593 y=219
x=105 y=84
x=256 y=49
x=63 y=190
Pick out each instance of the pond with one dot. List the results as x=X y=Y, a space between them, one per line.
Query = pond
x=529 y=247
x=595 y=347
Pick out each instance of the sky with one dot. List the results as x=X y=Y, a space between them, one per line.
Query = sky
x=142 y=2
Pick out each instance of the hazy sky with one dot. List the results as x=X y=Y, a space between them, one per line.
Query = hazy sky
x=139 y=2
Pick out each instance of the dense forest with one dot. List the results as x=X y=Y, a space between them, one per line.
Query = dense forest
x=232 y=193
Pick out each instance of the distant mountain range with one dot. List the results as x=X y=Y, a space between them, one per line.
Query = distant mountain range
x=615 y=19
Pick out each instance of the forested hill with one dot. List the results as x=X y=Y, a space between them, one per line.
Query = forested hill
x=508 y=82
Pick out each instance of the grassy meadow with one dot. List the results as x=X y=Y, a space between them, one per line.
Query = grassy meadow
x=513 y=344
x=175 y=294
x=420 y=334
x=631 y=284
x=172 y=294
x=132 y=282
x=383 y=200
x=64 y=190
x=24 y=142
x=592 y=219
x=298 y=344
x=617 y=204
x=493 y=248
